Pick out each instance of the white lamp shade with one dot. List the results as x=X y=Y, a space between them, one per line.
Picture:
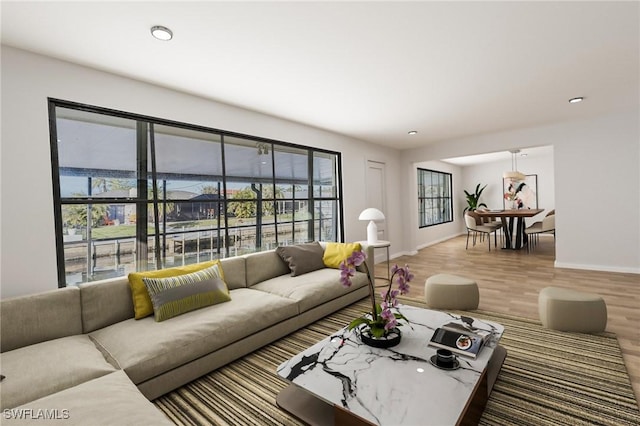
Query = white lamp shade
x=371 y=214
x=514 y=175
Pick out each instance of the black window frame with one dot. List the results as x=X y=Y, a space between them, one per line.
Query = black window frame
x=142 y=200
x=422 y=197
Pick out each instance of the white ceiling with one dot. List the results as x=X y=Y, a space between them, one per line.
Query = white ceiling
x=502 y=156
x=371 y=70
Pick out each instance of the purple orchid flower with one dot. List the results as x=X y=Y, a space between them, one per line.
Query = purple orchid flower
x=386 y=319
x=389 y=318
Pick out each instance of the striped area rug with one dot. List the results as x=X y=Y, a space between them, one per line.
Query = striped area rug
x=548 y=378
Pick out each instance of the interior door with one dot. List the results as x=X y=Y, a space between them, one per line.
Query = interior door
x=375 y=196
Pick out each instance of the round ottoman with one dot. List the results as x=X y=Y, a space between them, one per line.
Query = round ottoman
x=444 y=291
x=570 y=310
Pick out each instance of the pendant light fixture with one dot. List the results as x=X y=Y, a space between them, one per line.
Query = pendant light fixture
x=514 y=174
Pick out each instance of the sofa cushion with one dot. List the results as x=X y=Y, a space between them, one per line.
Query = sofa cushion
x=173 y=296
x=26 y=320
x=146 y=348
x=105 y=302
x=336 y=253
x=312 y=289
x=141 y=301
x=263 y=266
x=38 y=370
x=109 y=400
x=302 y=258
x=235 y=274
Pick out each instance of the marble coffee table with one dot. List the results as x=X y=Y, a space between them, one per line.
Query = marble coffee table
x=341 y=378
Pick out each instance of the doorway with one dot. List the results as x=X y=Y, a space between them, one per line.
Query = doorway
x=376 y=193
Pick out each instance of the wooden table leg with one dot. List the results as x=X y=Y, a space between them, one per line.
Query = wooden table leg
x=314 y=411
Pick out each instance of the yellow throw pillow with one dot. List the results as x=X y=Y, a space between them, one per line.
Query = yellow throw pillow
x=336 y=253
x=142 y=305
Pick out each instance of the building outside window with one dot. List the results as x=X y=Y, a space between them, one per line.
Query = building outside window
x=434 y=197
x=135 y=193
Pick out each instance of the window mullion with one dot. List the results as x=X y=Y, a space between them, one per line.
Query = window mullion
x=224 y=204
x=141 y=196
x=57 y=195
x=275 y=193
x=154 y=186
x=312 y=203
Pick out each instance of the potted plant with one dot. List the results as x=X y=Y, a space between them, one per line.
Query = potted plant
x=472 y=199
x=378 y=328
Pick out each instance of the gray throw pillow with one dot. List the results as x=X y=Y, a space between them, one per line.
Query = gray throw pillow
x=172 y=296
x=302 y=258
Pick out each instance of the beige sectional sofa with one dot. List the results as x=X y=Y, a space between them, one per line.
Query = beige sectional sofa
x=66 y=350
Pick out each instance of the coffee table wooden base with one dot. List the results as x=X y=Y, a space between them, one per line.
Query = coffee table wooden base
x=314 y=411
x=475 y=407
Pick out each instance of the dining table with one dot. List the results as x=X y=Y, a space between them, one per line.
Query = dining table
x=511 y=218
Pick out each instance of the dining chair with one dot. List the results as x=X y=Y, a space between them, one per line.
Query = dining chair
x=548 y=224
x=538 y=224
x=475 y=227
x=489 y=221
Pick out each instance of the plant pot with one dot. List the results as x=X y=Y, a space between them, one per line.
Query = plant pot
x=389 y=340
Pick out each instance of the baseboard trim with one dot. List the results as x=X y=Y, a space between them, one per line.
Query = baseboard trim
x=420 y=247
x=432 y=243
x=603 y=268
x=404 y=253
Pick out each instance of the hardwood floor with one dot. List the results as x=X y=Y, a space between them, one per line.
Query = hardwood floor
x=509 y=282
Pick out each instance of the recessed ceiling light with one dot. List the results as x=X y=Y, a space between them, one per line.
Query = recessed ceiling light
x=576 y=100
x=161 y=33
x=413 y=132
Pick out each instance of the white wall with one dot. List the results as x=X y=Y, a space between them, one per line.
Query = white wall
x=598 y=195
x=597 y=191
x=28 y=262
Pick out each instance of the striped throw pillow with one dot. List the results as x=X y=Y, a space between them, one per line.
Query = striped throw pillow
x=177 y=295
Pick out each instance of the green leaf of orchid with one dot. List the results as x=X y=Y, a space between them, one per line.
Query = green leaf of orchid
x=356 y=322
x=377 y=332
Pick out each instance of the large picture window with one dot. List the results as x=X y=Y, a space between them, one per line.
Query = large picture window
x=134 y=193
x=434 y=197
